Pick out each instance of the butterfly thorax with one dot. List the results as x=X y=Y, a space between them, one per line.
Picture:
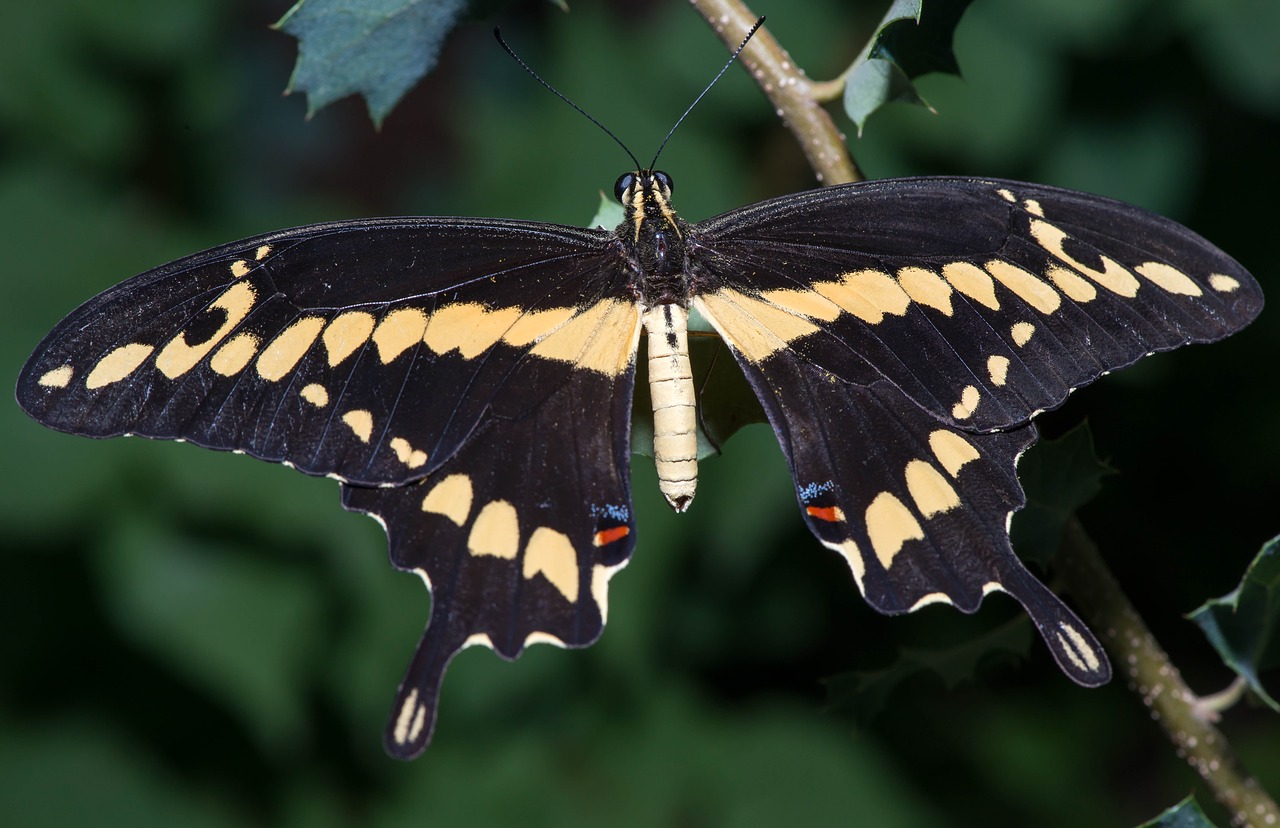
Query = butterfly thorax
x=653 y=237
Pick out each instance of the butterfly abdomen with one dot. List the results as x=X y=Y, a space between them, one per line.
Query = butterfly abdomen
x=675 y=444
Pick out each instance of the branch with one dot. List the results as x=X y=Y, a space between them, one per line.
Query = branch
x=1185 y=717
x=1153 y=677
x=790 y=91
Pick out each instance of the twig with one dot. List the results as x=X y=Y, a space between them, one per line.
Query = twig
x=788 y=89
x=1185 y=717
x=1154 y=678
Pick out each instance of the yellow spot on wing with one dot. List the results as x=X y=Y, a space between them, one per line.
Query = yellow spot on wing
x=600 y=575
x=177 y=357
x=1077 y=648
x=926 y=287
x=117 y=365
x=1113 y=276
x=973 y=282
x=952 y=450
x=890 y=524
x=1169 y=278
x=239 y=269
x=407 y=454
x=345 y=333
x=57 y=378
x=360 y=422
x=931 y=598
x=998 y=369
x=496 y=531
x=849 y=551
x=398 y=331
x=551 y=553
x=1025 y=286
x=1223 y=283
x=931 y=492
x=1006 y=195
x=468 y=327
x=602 y=337
x=1021 y=333
x=867 y=294
x=404 y=719
x=315 y=394
x=805 y=302
x=262 y=252
x=232 y=357
x=1072 y=284
x=755 y=328
x=536 y=325
x=969 y=399
x=283 y=353
x=450 y=497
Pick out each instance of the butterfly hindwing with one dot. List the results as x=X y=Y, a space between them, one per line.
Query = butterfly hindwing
x=918 y=510
x=517 y=536
x=984 y=301
x=364 y=350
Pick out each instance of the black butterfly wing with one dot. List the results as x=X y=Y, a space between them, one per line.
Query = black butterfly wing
x=470 y=382
x=919 y=511
x=516 y=536
x=901 y=334
x=365 y=350
x=983 y=301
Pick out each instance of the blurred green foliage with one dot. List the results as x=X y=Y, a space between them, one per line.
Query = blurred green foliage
x=199 y=639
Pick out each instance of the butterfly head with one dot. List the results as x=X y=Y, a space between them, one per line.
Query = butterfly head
x=635 y=184
x=646 y=203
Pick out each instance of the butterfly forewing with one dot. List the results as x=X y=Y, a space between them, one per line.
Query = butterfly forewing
x=365 y=350
x=983 y=301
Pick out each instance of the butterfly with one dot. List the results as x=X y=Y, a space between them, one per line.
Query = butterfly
x=469 y=381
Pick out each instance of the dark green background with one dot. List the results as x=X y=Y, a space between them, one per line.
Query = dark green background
x=199 y=639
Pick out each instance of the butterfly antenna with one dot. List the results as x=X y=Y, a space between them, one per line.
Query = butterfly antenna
x=498 y=34
x=728 y=63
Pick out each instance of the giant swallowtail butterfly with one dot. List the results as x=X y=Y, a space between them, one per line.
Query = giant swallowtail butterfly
x=469 y=381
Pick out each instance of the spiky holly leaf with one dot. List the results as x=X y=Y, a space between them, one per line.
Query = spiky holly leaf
x=1186 y=814
x=1059 y=476
x=1244 y=625
x=375 y=48
x=913 y=39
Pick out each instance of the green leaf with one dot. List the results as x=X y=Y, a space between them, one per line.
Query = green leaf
x=1186 y=814
x=1244 y=625
x=375 y=48
x=866 y=692
x=1059 y=476
x=608 y=214
x=913 y=39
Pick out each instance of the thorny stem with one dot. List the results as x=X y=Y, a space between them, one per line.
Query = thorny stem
x=1153 y=677
x=788 y=89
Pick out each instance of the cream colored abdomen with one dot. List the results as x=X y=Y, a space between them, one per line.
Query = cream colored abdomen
x=675 y=441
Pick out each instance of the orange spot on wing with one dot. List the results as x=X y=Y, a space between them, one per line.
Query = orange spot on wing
x=607 y=536
x=831 y=514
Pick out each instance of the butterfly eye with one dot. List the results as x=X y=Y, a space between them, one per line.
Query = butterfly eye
x=623 y=184
x=664 y=181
